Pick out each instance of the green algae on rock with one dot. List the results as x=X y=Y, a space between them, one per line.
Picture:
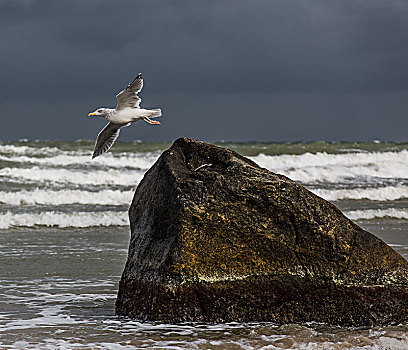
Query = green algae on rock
x=216 y=238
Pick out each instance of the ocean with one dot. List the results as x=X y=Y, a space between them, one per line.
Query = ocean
x=64 y=236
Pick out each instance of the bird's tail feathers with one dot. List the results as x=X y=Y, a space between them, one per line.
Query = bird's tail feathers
x=154 y=113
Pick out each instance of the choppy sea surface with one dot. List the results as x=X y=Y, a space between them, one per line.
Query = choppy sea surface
x=64 y=237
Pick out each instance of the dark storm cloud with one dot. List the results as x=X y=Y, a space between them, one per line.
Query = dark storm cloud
x=217 y=68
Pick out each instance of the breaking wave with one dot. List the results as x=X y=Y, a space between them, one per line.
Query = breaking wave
x=45 y=163
x=124 y=160
x=324 y=167
x=76 y=177
x=118 y=197
x=115 y=218
x=370 y=214
x=63 y=220
x=49 y=197
x=45 y=175
x=389 y=193
x=25 y=150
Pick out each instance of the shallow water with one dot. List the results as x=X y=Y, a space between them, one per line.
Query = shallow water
x=64 y=237
x=58 y=289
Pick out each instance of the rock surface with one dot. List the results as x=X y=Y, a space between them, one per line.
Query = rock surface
x=216 y=238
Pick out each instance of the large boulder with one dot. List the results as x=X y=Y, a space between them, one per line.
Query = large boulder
x=216 y=238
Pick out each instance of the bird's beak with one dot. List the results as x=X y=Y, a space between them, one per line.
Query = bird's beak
x=91 y=114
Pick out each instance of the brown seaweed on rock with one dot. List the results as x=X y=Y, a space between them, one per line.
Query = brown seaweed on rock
x=216 y=238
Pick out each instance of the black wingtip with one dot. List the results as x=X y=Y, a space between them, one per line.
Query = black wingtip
x=139 y=76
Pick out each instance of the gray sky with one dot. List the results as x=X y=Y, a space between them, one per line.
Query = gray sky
x=239 y=70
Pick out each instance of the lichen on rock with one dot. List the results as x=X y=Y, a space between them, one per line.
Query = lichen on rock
x=216 y=238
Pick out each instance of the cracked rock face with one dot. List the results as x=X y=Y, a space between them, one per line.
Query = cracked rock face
x=216 y=238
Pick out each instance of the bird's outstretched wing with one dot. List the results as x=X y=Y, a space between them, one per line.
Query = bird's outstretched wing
x=128 y=97
x=106 y=138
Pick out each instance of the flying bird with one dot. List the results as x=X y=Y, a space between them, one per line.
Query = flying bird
x=126 y=112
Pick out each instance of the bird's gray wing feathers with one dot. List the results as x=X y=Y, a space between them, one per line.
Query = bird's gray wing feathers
x=106 y=138
x=128 y=97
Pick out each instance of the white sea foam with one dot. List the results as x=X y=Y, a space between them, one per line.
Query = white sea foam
x=112 y=218
x=369 y=214
x=63 y=176
x=196 y=338
x=307 y=167
x=58 y=219
x=128 y=160
x=48 y=197
x=24 y=150
x=48 y=317
x=389 y=193
x=324 y=167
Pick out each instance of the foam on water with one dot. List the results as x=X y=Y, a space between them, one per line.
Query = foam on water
x=241 y=336
x=135 y=161
x=64 y=176
x=389 y=193
x=114 y=218
x=24 y=150
x=323 y=167
x=307 y=167
x=70 y=305
x=50 y=197
x=48 y=317
x=58 y=219
x=369 y=214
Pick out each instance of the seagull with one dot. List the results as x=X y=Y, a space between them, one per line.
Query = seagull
x=126 y=112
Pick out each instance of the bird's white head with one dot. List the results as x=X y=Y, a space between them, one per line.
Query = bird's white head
x=100 y=112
